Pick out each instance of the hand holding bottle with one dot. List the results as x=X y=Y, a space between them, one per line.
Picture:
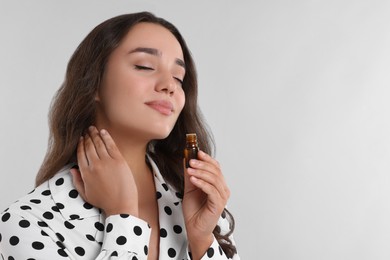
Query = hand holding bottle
x=205 y=197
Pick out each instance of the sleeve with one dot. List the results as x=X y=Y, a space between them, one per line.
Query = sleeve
x=125 y=237
x=215 y=251
x=21 y=238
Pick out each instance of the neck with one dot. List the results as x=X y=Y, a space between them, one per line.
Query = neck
x=132 y=148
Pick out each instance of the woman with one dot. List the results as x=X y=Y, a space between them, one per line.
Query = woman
x=113 y=183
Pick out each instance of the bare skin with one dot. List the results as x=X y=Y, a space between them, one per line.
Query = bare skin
x=131 y=80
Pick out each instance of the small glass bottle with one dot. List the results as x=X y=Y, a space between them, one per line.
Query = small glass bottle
x=191 y=149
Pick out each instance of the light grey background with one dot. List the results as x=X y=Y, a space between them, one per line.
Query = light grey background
x=296 y=93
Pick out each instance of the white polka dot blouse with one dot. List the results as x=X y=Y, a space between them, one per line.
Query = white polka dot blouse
x=54 y=222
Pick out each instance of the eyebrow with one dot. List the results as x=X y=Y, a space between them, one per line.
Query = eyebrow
x=155 y=52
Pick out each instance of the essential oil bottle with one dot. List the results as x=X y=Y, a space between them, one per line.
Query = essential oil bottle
x=191 y=149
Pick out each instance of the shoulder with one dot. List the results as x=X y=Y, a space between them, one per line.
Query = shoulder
x=32 y=203
x=56 y=195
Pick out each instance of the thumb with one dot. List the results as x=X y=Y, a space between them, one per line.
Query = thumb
x=188 y=185
x=78 y=182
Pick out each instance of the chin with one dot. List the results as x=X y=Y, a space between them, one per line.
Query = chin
x=159 y=132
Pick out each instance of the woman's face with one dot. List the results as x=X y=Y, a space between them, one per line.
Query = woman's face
x=141 y=93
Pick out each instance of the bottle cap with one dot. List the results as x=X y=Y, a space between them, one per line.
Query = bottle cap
x=191 y=137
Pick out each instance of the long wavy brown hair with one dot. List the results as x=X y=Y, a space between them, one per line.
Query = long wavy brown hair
x=73 y=109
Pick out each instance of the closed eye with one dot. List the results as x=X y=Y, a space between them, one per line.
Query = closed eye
x=139 y=67
x=179 y=80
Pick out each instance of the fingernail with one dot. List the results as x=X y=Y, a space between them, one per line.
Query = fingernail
x=194 y=162
x=103 y=132
x=91 y=128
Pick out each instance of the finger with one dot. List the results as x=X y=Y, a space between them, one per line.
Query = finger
x=111 y=147
x=100 y=147
x=78 y=182
x=81 y=156
x=208 y=163
x=205 y=166
x=90 y=149
x=207 y=158
x=217 y=181
x=213 y=197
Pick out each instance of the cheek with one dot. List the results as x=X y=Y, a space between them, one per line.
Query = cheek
x=181 y=99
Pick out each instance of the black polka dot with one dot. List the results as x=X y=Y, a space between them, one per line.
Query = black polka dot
x=46 y=193
x=165 y=186
x=171 y=252
x=80 y=251
x=60 y=244
x=134 y=258
x=60 y=181
x=115 y=253
x=146 y=250
x=121 y=240
x=14 y=240
x=30 y=258
x=5 y=217
x=37 y=245
x=99 y=226
x=0 y=237
x=176 y=203
x=223 y=215
x=158 y=195
x=73 y=194
x=87 y=205
x=10 y=258
x=55 y=209
x=42 y=224
x=210 y=252
x=124 y=215
x=48 y=215
x=43 y=233
x=137 y=230
x=25 y=207
x=31 y=191
x=90 y=238
x=74 y=216
x=109 y=227
x=62 y=252
x=60 y=205
x=163 y=232
x=60 y=237
x=168 y=210
x=35 y=201
x=68 y=225
x=24 y=223
x=177 y=229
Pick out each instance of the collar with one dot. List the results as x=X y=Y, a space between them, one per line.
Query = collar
x=72 y=206
x=67 y=199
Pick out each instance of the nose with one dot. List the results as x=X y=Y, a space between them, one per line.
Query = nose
x=166 y=84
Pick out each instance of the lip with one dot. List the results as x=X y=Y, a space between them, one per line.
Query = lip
x=163 y=106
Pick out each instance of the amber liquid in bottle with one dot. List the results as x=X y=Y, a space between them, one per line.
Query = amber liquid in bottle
x=191 y=149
